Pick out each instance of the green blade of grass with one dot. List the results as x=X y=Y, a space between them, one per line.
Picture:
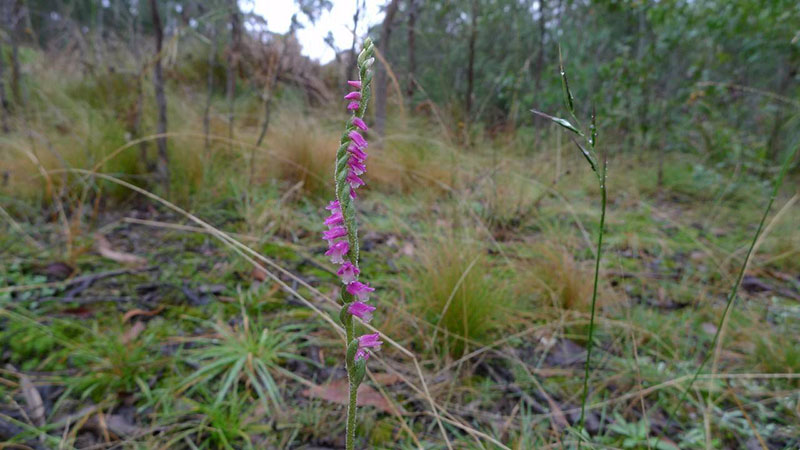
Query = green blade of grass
x=233 y=374
x=563 y=122
x=729 y=304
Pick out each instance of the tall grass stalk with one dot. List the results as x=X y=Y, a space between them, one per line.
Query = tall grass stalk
x=590 y=153
x=729 y=304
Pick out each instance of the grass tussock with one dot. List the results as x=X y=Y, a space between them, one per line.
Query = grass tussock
x=455 y=293
x=556 y=279
x=405 y=162
x=301 y=151
x=552 y=285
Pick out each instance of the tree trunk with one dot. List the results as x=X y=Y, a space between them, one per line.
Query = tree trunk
x=380 y=79
x=646 y=85
x=137 y=119
x=473 y=34
x=232 y=61
x=3 y=100
x=212 y=53
x=137 y=113
x=412 y=63
x=789 y=72
x=540 y=55
x=351 y=64
x=269 y=94
x=161 y=100
x=272 y=84
x=16 y=75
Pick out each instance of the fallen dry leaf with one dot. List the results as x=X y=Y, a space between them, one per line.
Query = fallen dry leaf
x=259 y=274
x=79 y=311
x=709 y=328
x=336 y=391
x=141 y=312
x=58 y=270
x=33 y=399
x=387 y=379
x=133 y=332
x=558 y=415
x=408 y=249
x=115 y=423
x=105 y=250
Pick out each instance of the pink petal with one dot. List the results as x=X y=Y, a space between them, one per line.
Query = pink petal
x=360 y=123
x=357 y=152
x=358 y=139
x=354 y=180
x=362 y=354
x=356 y=166
x=370 y=341
x=334 y=219
x=333 y=206
x=348 y=272
x=361 y=310
x=334 y=233
x=359 y=290
x=337 y=251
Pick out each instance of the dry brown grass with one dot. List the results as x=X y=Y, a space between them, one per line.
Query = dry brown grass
x=408 y=159
x=554 y=280
x=299 y=150
x=454 y=291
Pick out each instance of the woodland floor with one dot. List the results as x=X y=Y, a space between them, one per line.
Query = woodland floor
x=154 y=334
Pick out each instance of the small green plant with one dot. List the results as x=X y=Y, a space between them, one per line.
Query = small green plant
x=228 y=424
x=111 y=363
x=636 y=434
x=34 y=345
x=244 y=353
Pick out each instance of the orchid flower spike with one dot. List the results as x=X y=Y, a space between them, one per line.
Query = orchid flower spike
x=342 y=233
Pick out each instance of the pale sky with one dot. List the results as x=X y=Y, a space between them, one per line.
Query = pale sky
x=339 y=21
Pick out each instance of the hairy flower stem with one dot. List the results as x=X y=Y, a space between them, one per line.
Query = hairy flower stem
x=350 y=430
